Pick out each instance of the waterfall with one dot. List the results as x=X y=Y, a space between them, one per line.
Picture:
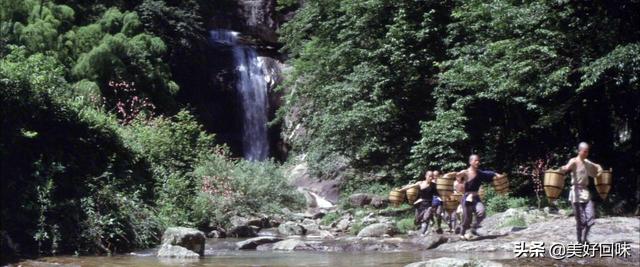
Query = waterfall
x=252 y=88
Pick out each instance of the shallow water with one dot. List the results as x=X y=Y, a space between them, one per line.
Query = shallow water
x=222 y=252
x=258 y=258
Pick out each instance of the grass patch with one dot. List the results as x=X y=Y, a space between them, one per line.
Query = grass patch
x=405 y=225
x=356 y=226
x=515 y=221
x=330 y=218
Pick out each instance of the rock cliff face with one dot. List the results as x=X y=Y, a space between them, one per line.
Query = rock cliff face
x=257 y=18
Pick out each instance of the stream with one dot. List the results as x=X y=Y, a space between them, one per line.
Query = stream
x=222 y=252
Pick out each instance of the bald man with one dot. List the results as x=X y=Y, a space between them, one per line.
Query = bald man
x=469 y=182
x=583 y=209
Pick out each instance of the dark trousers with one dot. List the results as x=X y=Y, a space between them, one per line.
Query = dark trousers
x=426 y=212
x=468 y=209
x=451 y=219
x=585 y=218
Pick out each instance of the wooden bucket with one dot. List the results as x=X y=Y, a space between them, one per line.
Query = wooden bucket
x=396 y=197
x=412 y=194
x=603 y=183
x=501 y=184
x=553 y=184
x=444 y=184
x=456 y=196
x=451 y=202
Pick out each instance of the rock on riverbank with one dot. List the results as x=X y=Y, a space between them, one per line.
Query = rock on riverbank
x=182 y=242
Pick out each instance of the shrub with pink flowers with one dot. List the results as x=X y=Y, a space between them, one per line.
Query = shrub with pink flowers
x=127 y=102
x=534 y=172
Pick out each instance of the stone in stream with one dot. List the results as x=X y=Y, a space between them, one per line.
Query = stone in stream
x=291 y=245
x=252 y=243
x=242 y=231
x=377 y=230
x=217 y=232
x=431 y=241
x=260 y=221
x=171 y=251
x=291 y=228
x=454 y=262
x=187 y=238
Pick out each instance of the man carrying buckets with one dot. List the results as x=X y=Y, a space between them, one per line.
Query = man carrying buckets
x=469 y=182
x=425 y=210
x=581 y=168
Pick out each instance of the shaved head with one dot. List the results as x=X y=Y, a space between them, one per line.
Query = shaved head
x=583 y=150
x=474 y=160
x=583 y=146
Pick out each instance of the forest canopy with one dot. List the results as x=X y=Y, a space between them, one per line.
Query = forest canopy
x=397 y=87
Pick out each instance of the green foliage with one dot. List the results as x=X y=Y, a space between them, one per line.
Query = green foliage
x=361 y=79
x=113 y=47
x=330 y=217
x=356 y=185
x=405 y=225
x=400 y=86
x=241 y=187
x=517 y=202
x=442 y=140
x=496 y=203
x=60 y=165
x=171 y=146
x=356 y=226
x=179 y=26
x=41 y=72
x=515 y=221
x=77 y=179
x=282 y=5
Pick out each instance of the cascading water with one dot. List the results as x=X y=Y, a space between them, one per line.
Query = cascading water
x=252 y=88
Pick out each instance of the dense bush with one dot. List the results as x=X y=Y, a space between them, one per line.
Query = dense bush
x=499 y=203
x=397 y=87
x=241 y=188
x=60 y=193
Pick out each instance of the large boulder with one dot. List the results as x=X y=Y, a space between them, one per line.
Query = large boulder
x=171 y=251
x=310 y=225
x=188 y=238
x=377 y=230
x=360 y=199
x=379 y=202
x=454 y=262
x=344 y=223
x=291 y=228
x=252 y=243
x=256 y=221
x=242 y=231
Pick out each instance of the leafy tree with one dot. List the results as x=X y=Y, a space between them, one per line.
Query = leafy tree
x=363 y=73
x=528 y=78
